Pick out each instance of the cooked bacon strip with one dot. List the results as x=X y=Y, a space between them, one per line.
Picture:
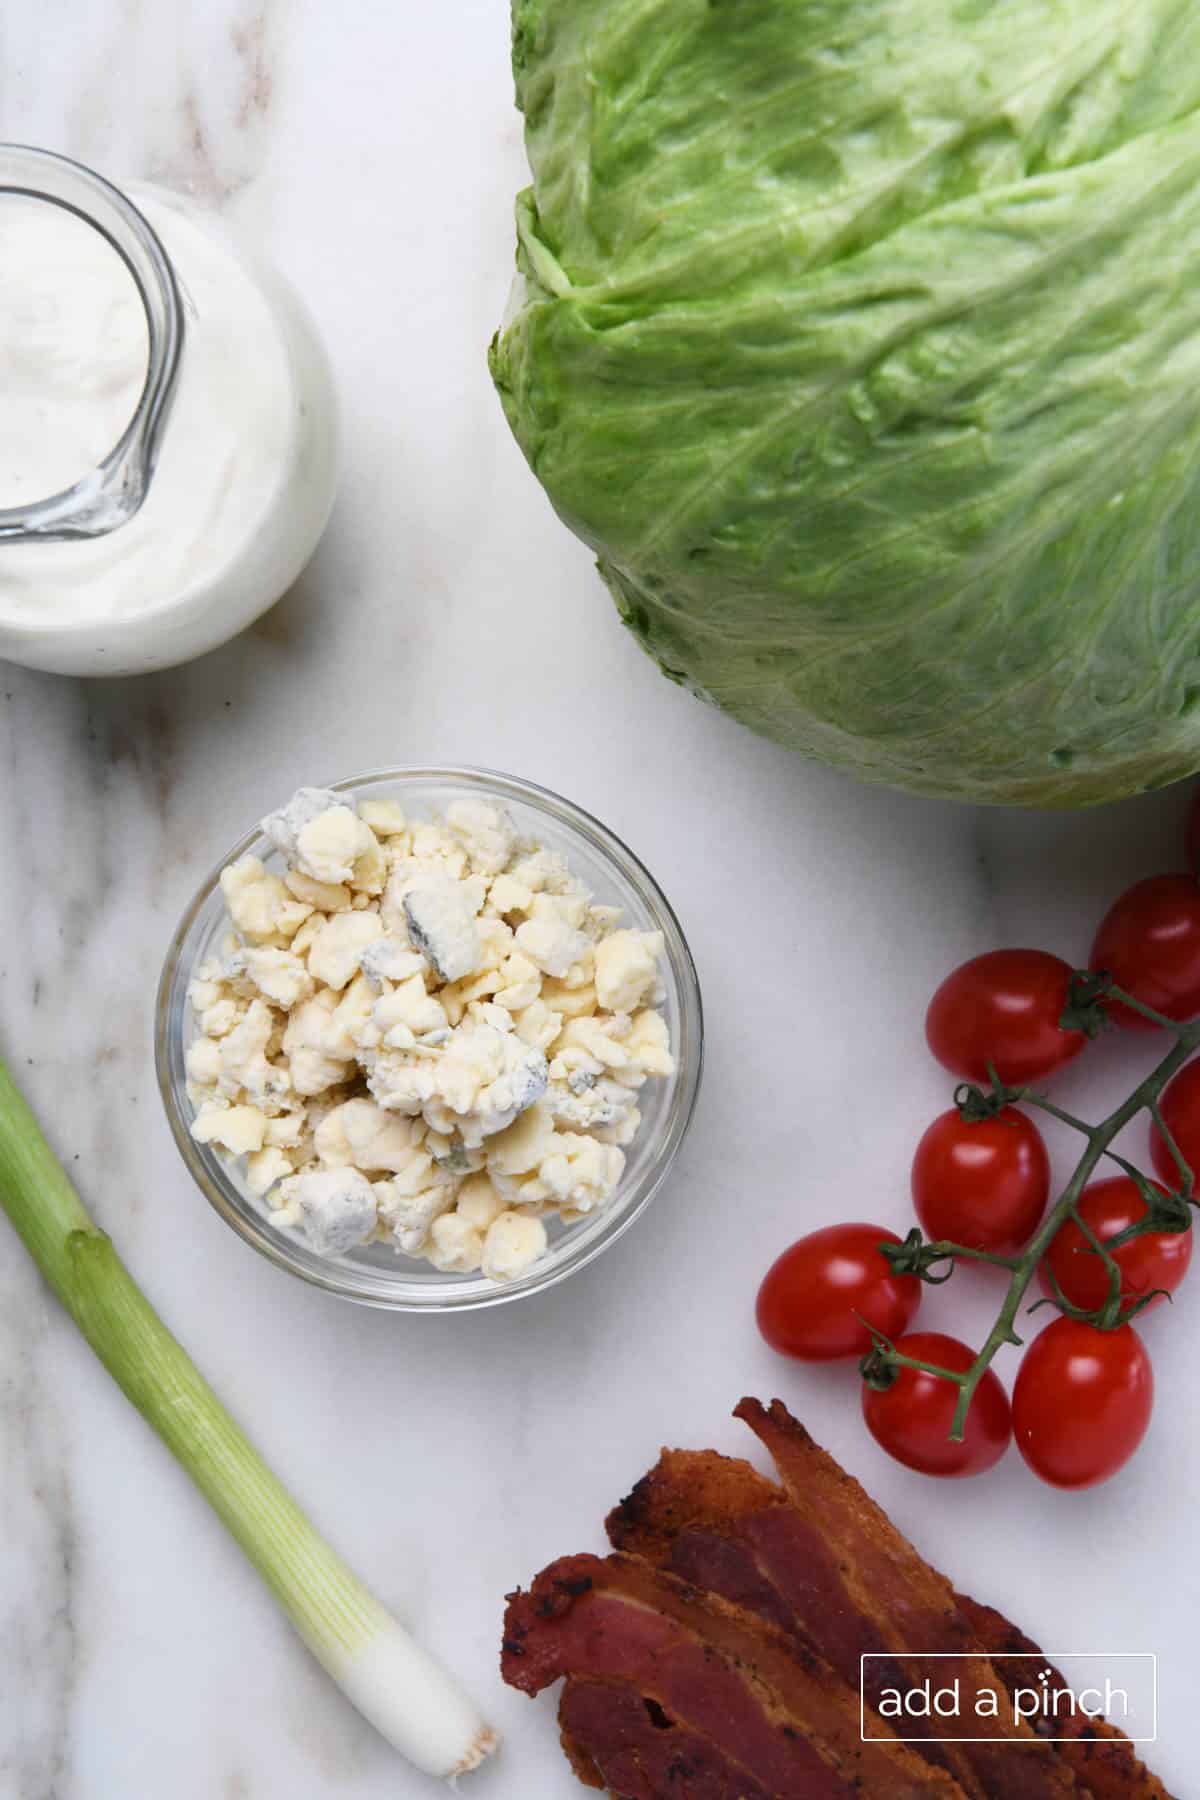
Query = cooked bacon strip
x=718 y=1660
x=758 y=1708
x=1104 y=1760
x=581 y=1759
x=911 y=1606
x=639 y=1754
x=716 y=1522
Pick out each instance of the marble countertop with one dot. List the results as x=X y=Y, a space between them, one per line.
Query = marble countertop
x=449 y=617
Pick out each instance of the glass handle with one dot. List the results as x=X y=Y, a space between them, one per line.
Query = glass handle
x=109 y=495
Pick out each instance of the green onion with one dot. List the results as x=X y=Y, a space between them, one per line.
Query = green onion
x=407 y=1696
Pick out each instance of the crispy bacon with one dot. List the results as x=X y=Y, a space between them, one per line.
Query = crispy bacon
x=912 y=1606
x=1103 y=1759
x=644 y=1755
x=716 y=1656
x=726 y=1685
x=716 y=1522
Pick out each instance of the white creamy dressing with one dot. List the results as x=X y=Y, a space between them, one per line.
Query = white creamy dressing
x=244 y=477
x=73 y=349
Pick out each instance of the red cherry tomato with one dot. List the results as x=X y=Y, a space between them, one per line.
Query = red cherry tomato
x=911 y=1420
x=1082 y=1402
x=1158 y=1260
x=811 y=1294
x=1192 y=836
x=1180 y=1108
x=1003 y=1009
x=984 y=1185
x=1149 y=942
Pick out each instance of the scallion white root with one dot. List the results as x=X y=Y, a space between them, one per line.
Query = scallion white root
x=407 y=1696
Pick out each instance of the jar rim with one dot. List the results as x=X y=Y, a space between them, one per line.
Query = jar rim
x=109 y=495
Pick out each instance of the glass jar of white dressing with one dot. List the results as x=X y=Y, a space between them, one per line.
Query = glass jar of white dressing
x=167 y=425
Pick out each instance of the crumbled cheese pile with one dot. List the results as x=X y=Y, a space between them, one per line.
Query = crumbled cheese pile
x=422 y=1033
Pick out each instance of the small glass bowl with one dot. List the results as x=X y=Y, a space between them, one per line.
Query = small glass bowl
x=375 y=1274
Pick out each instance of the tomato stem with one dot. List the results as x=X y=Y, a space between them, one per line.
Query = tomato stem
x=1186 y=1173
x=882 y=1362
x=1107 y=1315
x=917 y=1257
x=959 y=1252
x=1146 y=1012
x=1030 y=1098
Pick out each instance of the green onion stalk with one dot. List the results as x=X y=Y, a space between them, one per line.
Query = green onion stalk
x=416 y=1705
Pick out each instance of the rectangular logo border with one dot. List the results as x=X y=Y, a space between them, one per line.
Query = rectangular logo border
x=1049 y=1656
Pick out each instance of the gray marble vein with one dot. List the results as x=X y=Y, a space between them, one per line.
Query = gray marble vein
x=39 y=1626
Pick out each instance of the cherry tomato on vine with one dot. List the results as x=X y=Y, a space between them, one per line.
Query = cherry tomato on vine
x=1082 y=1402
x=1158 y=1260
x=1180 y=1108
x=911 y=1420
x=1003 y=1008
x=984 y=1185
x=810 y=1296
x=1149 y=942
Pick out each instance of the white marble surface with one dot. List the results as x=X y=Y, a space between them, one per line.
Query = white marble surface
x=374 y=150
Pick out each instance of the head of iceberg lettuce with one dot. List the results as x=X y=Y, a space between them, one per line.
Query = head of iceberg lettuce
x=861 y=341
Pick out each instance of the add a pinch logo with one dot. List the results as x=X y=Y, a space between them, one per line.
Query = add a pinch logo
x=1009 y=1697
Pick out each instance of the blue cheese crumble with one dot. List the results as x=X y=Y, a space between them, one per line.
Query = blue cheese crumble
x=422 y=1033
